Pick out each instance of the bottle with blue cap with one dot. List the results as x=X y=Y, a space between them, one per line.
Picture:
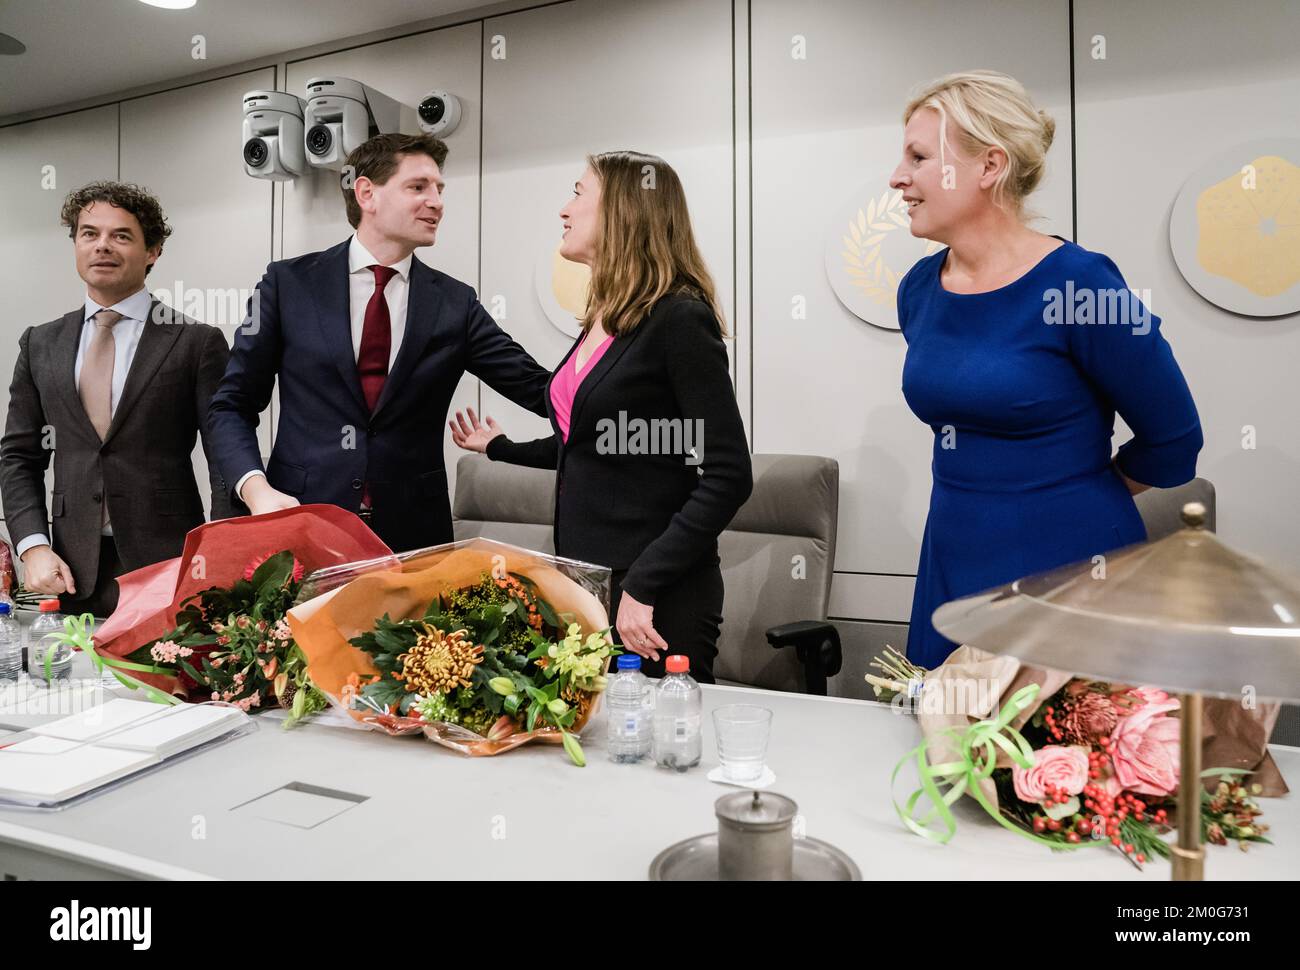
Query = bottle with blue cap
x=629 y=711
x=11 y=645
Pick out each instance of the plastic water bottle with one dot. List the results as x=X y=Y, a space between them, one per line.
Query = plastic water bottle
x=678 y=743
x=50 y=622
x=630 y=709
x=11 y=645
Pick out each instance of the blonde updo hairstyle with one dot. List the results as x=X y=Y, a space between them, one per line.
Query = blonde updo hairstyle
x=992 y=110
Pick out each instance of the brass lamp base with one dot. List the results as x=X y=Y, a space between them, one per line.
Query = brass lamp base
x=1188 y=856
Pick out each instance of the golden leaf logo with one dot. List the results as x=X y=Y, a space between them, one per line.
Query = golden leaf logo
x=863 y=263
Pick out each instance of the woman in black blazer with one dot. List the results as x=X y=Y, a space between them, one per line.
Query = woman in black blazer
x=649 y=447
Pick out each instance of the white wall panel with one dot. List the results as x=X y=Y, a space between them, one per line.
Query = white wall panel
x=185 y=147
x=824 y=126
x=1158 y=106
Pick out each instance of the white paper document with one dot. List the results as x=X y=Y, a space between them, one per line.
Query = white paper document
x=81 y=752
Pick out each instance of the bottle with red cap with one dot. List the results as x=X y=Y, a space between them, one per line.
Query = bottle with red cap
x=48 y=659
x=679 y=704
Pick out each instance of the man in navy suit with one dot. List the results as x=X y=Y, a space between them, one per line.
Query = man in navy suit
x=369 y=345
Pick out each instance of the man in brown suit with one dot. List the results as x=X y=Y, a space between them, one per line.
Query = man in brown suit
x=116 y=390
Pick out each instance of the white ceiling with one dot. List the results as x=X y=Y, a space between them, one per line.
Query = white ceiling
x=79 y=49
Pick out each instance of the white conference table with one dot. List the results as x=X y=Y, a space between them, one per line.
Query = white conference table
x=419 y=811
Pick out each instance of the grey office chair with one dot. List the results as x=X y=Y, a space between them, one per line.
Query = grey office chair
x=509 y=503
x=777 y=557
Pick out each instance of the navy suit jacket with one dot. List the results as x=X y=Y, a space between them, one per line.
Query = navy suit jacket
x=327 y=443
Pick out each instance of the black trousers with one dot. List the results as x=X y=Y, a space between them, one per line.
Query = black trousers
x=102 y=600
x=687 y=615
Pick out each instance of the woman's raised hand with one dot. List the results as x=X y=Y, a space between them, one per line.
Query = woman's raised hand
x=471 y=435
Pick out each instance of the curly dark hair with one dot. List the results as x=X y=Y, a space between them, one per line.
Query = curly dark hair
x=134 y=199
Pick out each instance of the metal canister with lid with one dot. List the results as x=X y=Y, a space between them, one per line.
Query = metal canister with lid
x=755 y=836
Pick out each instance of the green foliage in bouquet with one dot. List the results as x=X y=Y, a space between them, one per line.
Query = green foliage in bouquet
x=489 y=657
x=1230 y=813
x=235 y=645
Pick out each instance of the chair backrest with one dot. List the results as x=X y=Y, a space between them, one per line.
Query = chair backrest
x=778 y=559
x=778 y=554
x=509 y=503
x=1162 y=508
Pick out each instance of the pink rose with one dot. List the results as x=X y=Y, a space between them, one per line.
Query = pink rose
x=1055 y=767
x=1144 y=745
x=1154 y=695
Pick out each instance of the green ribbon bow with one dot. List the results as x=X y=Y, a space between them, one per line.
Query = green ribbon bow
x=77 y=633
x=977 y=757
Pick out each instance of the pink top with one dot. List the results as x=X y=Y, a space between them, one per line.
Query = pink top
x=565 y=385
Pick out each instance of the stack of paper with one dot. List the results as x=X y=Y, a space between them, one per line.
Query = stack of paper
x=79 y=753
x=175 y=730
x=45 y=770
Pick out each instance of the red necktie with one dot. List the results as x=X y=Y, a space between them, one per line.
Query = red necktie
x=376 y=345
x=376 y=339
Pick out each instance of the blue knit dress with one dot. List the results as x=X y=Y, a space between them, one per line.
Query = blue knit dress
x=1021 y=386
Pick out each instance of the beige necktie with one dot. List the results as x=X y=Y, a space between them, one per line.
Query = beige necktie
x=96 y=384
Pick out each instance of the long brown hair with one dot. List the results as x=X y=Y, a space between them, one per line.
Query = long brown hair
x=645 y=249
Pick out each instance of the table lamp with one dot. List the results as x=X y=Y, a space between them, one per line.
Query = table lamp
x=1186 y=613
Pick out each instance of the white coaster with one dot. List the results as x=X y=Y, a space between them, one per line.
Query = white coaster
x=768 y=777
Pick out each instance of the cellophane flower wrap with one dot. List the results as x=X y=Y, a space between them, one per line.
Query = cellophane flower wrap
x=479 y=645
x=218 y=555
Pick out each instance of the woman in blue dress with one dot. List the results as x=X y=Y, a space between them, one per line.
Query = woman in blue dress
x=1021 y=349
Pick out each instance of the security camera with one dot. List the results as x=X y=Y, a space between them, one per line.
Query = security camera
x=273 y=135
x=340 y=115
x=439 y=113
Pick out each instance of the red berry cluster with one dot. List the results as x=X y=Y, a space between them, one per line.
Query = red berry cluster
x=1081 y=827
x=1099 y=761
x=1055 y=796
x=1054 y=729
x=1115 y=809
x=1059 y=796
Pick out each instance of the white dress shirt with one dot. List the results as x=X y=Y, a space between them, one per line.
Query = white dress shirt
x=361 y=287
x=126 y=338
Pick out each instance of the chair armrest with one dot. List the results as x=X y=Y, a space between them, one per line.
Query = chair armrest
x=817 y=645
